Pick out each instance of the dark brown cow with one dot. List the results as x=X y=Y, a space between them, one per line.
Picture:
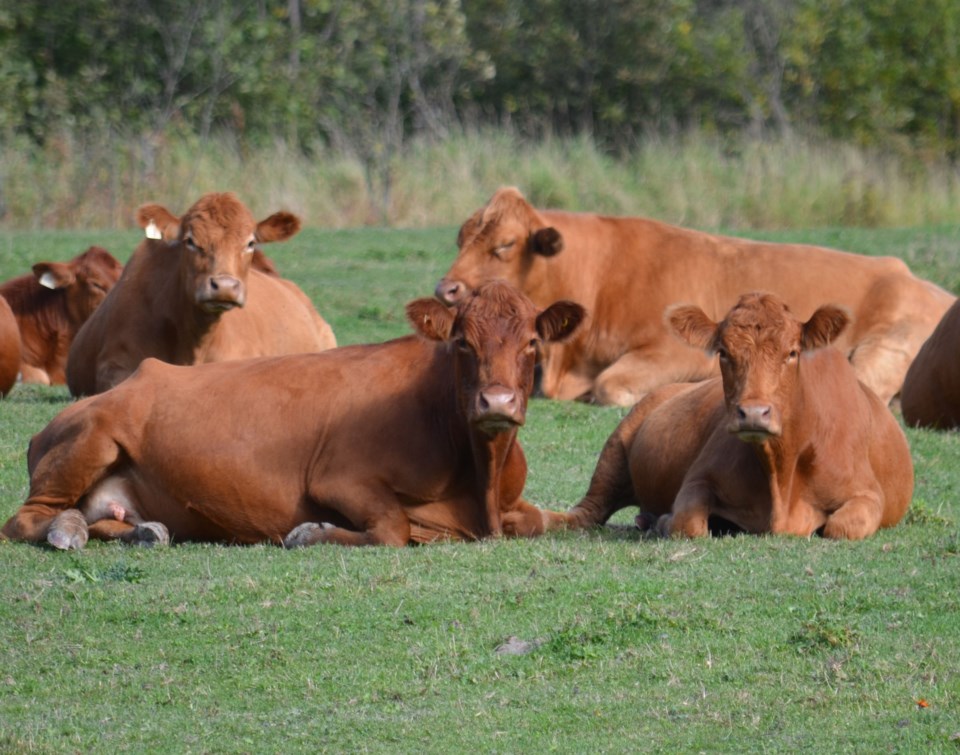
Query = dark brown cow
x=786 y=441
x=52 y=304
x=407 y=441
x=931 y=389
x=9 y=348
x=626 y=271
x=191 y=294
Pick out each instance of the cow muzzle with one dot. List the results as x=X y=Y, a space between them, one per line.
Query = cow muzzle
x=497 y=409
x=450 y=291
x=221 y=293
x=754 y=422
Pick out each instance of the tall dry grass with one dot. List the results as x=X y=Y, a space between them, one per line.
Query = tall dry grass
x=696 y=180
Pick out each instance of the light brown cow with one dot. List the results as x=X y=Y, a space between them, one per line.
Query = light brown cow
x=52 y=304
x=9 y=348
x=407 y=441
x=190 y=294
x=931 y=389
x=626 y=271
x=786 y=441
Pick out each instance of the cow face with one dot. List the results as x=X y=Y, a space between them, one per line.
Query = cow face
x=217 y=239
x=84 y=281
x=495 y=333
x=503 y=240
x=759 y=344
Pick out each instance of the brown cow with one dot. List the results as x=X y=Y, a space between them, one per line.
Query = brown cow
x=626 y=271
x=787 y=440
x=9 y=348
x=52 y=304
x=409 y=440
x=931 y=389
x=190 y=294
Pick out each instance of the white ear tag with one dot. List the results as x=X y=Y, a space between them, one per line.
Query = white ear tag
x=152 y=231
x=48 y=281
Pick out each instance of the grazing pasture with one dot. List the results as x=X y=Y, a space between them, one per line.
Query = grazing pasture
x=575 y=642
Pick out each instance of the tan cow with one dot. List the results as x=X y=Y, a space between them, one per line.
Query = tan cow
x=626 y=271
x=931 y=389
x=51 y=305
x=786 y=441
x=406 y=441
x=9 y=348
x=191 y=294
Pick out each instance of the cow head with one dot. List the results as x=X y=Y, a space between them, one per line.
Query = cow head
x=217 y=239
x=759 y=344
x=495 y=333
x=505 y=239
x=84 y=281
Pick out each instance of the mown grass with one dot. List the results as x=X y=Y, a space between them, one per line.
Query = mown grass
x=737 y=644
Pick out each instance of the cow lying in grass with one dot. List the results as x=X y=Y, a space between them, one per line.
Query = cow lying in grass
x=194 y=292
x=627 y=270
x=406 y=441
x=786 y=441
x=52 y=303
x=931 y=389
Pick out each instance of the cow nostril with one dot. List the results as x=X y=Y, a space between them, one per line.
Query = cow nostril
x=449 y=292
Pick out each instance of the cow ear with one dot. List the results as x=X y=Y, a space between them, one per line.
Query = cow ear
x=546 y=241
x=823 y=326
x=558 y=321
x=158 y=222
x=431 y=319
x=53 y=275
x=278 y=227
x=692 y=325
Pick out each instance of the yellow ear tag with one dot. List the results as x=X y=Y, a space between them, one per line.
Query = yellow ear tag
x=152 y=231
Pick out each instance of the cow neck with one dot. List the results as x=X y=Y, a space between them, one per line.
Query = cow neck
x=779 y=456
x=490 y=456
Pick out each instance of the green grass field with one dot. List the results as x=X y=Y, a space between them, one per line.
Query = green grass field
x=736 y=644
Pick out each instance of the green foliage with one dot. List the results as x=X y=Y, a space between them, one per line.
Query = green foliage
x=370 y=76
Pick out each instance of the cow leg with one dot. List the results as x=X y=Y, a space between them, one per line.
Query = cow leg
x=856 y=519
x=390 y=528
x=33 y=522
x=526 y=520
x=611 y=488
x=690 y=516
x=637 y=373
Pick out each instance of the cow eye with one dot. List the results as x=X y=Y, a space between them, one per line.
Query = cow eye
x=250 y=246
x=462 y=344
x=723 y=354
x=191 y=244
x=793 y=355
x=500 y=250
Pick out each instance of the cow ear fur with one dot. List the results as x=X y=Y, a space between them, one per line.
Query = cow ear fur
x=278 y=227
x=823 y=326
x=158 y=222
x=546 y=241
x=53 y=275
x=692 y=325
x=558 y=321
x=431 y=319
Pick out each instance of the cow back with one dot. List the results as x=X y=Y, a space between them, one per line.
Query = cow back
x=931 y=390
x=9 y=348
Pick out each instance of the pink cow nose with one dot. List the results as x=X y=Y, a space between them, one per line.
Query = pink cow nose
x=225 y=287
x=450 y=292
x=498 y=408
x=756 y=418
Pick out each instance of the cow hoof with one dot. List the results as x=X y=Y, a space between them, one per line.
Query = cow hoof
x=646 y=521
x=149 y=534
x=305 y=534
x=68 y=531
